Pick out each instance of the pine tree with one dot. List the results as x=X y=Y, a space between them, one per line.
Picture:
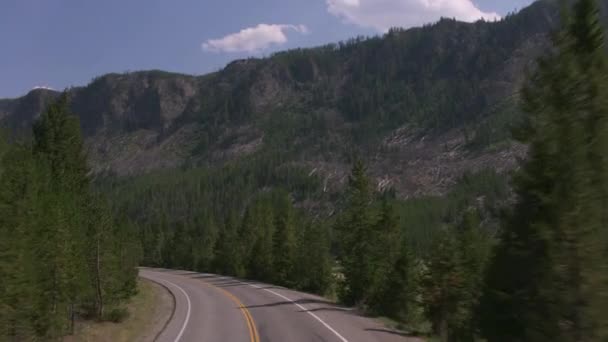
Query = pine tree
x=313 y=265
x=58 y=149
x=444 y=286
x=206 y=234
x=18 y=190
x=128 y=253
x=357 y=238
x=261 y=262
x=65 y=246
x=284 y=248
x=384 y=255
x=549 y=274
x=228 y=258
x=475 y=246
x=402 y=287
x=58 y=141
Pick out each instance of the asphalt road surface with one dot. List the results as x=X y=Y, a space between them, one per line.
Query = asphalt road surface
x=212 y=308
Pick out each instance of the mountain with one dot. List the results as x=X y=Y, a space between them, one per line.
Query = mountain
x=422 y=105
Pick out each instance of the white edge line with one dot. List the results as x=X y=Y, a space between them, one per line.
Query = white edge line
x=305 y=310
x=181 y=332
x=268 y=290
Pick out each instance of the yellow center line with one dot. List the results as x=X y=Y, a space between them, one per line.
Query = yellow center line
x=253 y=332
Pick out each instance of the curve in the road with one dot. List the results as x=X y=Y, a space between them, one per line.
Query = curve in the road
x=202 y=314
x=253 y=332
x=188 y=312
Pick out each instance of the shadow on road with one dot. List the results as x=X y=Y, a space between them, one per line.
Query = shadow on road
x=229 y=284
x=298 y=301
x=203 y=276
x=393 y=332
x=332 y=308
x=164 y=270
x=182 y=273
x=269 y=287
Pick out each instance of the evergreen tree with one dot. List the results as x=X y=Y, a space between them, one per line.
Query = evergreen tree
x=58 y=148
x=53 y=229
x=260 y=259
x=549 y=273
x=444 y=287
x=228 y=258
x=205 y=236
x=357 y=238
x=385 y=254
x=313 y=264
x=284 y=252
x=475 y=247
x=402 y=287
x=58 y=141
x=18 y=191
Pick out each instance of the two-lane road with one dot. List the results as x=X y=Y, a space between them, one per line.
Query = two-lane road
x=215 y=308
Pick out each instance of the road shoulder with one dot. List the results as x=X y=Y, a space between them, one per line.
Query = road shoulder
x=149 y=311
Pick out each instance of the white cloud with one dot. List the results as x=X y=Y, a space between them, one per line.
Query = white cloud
x=42 y=87
x=384 y=14
x=253 y=39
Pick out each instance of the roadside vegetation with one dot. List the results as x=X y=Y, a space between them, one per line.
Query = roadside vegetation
x=64 y=255
x=147 y=312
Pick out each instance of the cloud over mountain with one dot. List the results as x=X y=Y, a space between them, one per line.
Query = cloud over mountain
x=384 y=14
x=253 y=39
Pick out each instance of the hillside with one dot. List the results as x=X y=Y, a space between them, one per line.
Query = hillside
x=423 y=106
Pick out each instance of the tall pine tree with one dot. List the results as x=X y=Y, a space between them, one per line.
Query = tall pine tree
x=548 y=277
x=284 y=241
x=357 y=238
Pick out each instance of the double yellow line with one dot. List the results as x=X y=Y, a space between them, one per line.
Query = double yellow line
x=253 y=332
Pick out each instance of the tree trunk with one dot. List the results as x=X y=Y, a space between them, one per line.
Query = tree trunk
x=443 y=329
x=71 y=318
x=98 y=279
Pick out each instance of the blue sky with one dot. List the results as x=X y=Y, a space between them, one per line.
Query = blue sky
x=59 y=43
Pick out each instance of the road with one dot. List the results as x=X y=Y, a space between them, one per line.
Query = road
x=224 y=309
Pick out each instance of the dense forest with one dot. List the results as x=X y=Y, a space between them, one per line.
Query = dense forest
x=64 y=254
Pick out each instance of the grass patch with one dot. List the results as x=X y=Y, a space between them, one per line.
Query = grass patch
x=140 y=319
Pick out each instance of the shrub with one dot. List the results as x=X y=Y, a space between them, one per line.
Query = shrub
x=116 y=315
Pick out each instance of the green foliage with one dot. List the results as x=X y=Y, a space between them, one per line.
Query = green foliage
x=549 y=272
x=453 y=279
x=313 y=263
x=357 y=236
x=284 y=241
x=72 y=260
x=235 y=220
x=228 y=257
x=424 y=217
x=444 y=286
x=395 y=282
x=256 y=238
x=399 y=257
x=384 y=255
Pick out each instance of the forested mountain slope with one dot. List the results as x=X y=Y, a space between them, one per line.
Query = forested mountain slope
x=423 y=105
